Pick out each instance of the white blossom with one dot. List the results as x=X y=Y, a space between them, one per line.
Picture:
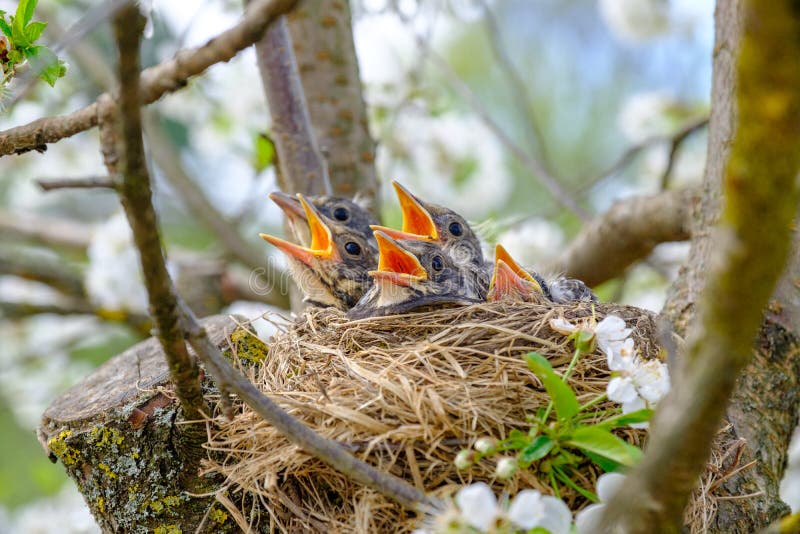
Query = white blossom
x=646 y=115
x=610 y=334
x=531 y=509
x=478 y=505
x=638 y=383
x=587 y=521
x=533 y=241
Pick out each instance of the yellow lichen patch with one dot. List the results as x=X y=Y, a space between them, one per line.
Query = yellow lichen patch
x=164 y=504
x=168 y=529
x=101 y=504
x=103 y=436
x=58 y=446
x=218 y=516
x=248 y=347
x=107 y=470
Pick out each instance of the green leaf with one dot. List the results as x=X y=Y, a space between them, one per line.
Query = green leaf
x=264 y=152
x=602 y=442
x=639 y=416
x=516 y=440
x=46 y=64
x=4 y=27
x=564 y=400
x=25 y=10
x=34 y=30
x=609 y=466
x=18 y=34
x=537 y=449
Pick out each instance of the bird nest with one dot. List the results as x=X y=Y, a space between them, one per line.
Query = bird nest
x=404 y=393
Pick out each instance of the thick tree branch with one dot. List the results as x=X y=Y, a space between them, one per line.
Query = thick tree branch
x=301 y=166
x=135 y=194
x=155 y=81
x=322 y=38
x=626 y=233
x=760 y=179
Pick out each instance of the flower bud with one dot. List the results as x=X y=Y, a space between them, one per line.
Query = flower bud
x=506 y=468
x=464 y=459
x=486 y=445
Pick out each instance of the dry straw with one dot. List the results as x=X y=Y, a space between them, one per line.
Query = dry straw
x=404 y=393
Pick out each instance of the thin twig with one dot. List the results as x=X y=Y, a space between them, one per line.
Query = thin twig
x=519 y=89
x=90 y=182
x=675 y=145
x=534 y=166
x=165 y=156
x=40 y=268
x=18 y=310
x=166 y=77
x=135 y=194
x=51 y=231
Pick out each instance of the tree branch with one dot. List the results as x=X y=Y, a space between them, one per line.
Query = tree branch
x=54 y=273
x=135 y=194
x=301 y=166
x=760 y=178
x=155 y=81
x=204 y=211
x=322 y=39
x=627 y=232
x=91 y=182
x=46 y=230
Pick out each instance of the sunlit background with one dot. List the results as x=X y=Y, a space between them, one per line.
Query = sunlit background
x=572 y=83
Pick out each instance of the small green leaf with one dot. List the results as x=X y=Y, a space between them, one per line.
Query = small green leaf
x=537 y=449
x=516 y=440
x=264 y=153
x=4 y=27
x=46 y=64
x=564 y=400
x=602 y=442
x=34 y=30
x=18 y=34
x=639 y=416
x=609 y=466
x=25 y=10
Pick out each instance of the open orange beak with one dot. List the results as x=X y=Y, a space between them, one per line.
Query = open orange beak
x=418 y=223
x=395 y=264
x=509 y=277
x=321 y=246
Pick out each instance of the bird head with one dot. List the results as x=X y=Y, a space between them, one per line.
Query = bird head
x=436 y=224
x=510 y=281
x=332 y=269
x=338 y=209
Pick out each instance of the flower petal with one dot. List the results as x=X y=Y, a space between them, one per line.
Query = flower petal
x=478 y=505
x=587 y=521
x=562 y=326
x=527 y=509
x=637 y=404
x=621 y=389
x=557 y=516
x=609 y=484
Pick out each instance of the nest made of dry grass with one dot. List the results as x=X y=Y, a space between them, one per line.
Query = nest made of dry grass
x=404 y=393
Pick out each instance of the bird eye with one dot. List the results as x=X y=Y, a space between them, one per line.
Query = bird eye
x=352 y=248
x=341 y=214
x=456 y=229
x=437 y=263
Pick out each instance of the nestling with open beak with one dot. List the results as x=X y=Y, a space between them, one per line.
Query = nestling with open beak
x=411 y=275
x=340 y=210
x=513 y=283
x=436 y=224
x=510 y=281
x=333 y=269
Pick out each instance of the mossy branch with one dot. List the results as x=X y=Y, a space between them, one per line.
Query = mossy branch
x=761 y=195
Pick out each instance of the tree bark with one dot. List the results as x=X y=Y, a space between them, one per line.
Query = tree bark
x=322 y=39
x=116 y=433
x=764 y=407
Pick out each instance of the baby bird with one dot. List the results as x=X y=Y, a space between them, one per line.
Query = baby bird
x=340 y=210
x=437 y=224
x=333 y=269
x=410 y=275
x=512 y=281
